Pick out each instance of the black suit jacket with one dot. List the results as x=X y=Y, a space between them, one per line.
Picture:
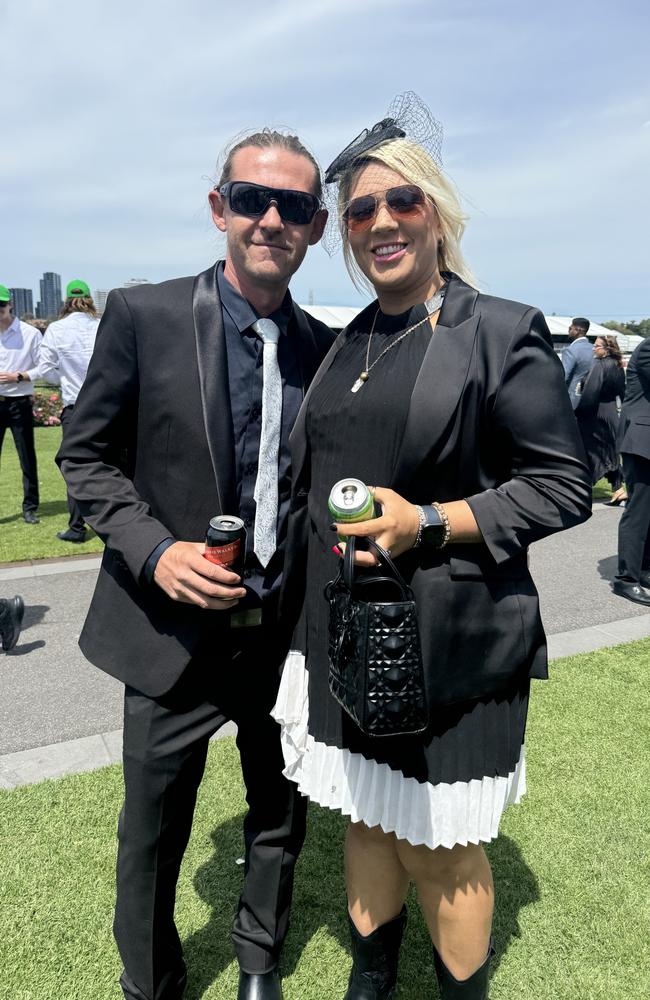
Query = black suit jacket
x=489 y=421
x=150 y=454
x=634 y=432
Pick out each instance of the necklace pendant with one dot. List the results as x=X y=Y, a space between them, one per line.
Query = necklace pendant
x=363 y=377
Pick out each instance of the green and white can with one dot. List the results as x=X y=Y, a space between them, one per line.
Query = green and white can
x=350 y=501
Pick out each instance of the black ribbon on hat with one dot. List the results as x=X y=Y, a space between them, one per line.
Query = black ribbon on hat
x=383 y=131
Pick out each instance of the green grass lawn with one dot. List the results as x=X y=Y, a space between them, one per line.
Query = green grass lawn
x=36 y=541
x=571 y=867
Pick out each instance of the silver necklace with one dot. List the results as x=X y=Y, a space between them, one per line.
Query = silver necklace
x=432 y=305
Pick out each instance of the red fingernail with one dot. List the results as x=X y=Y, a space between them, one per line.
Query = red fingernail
x=336 y=550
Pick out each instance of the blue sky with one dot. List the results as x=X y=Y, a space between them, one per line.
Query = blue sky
x=115 y=115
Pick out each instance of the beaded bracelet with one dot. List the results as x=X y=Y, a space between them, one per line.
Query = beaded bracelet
x=423 y=521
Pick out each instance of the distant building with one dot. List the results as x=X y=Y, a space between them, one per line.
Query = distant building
x=99 y=298
x=136 y=281
x=51 y=301
x=23 y=301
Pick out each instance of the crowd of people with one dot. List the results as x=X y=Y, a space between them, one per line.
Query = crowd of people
x=59 y=356
x=217 y=394
x=613 y=416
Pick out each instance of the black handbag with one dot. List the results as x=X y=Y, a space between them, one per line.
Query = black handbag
x=375 y=660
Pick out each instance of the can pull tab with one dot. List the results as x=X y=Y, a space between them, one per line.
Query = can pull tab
x=349 y=495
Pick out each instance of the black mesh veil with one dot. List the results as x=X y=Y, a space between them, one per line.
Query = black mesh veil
x=408 y=117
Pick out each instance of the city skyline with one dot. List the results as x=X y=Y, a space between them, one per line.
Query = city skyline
x=100 y=295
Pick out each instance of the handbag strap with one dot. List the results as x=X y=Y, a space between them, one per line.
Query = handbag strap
x=382 y=555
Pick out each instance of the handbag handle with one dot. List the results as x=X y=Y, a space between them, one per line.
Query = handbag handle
x=382 y=555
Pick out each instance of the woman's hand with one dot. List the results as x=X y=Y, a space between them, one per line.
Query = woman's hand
x=396 y=529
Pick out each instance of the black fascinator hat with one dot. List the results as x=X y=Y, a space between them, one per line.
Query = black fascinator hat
x=407 y=117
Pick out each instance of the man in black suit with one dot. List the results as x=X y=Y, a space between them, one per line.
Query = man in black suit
x=177 y=405
x=633 y=577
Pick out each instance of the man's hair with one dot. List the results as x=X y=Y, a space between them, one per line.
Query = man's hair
x=269 y=139
x=581 y=323
x=78 y=304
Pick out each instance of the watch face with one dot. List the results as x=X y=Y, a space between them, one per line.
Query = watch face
x=433 y=530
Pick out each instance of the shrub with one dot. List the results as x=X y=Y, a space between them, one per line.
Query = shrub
x=46 y=407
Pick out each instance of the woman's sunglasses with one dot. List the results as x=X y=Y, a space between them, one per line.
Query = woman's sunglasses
x=402 y=202
x=253 y=200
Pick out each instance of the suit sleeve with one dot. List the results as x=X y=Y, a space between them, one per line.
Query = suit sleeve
x=536 y=434
x=98 y=450
x=591 y=391
x=643 y=366
x=568 y=363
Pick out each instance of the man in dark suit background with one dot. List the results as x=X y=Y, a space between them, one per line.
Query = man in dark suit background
x=166 y=433
x=633 y=577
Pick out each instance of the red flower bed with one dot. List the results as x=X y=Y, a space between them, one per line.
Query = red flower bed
x=46 y=407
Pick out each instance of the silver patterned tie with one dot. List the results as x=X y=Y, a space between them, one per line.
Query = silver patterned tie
x=266 y=485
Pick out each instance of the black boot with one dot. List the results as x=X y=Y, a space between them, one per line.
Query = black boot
x=474 y=988
x=12 y=610
x=375 y=959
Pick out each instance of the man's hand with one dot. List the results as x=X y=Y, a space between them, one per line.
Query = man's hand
x=8 y=377
x=185 y=575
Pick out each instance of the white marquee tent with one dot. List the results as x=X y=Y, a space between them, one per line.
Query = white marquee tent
x=337 y=317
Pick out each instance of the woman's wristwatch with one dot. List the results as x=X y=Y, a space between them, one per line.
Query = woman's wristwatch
x=434 y=530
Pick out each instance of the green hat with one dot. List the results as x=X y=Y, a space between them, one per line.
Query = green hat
x=5 y=294
x=75 y=289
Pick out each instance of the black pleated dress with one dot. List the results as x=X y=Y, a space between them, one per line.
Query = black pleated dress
x=450 y=784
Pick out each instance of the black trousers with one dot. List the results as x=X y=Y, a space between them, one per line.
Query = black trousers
x=16 y=414
x=634 y=526
x=75 y=520
x=165 y=747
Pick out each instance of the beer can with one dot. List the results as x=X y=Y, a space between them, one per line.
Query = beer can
x=225 y=543
x=350 y=500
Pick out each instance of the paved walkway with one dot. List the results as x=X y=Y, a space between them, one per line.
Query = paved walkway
x=74 y=756
x=59 y=717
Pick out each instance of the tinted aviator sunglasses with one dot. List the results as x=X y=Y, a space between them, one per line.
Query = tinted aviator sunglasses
x=253 y=200
x=402 y=202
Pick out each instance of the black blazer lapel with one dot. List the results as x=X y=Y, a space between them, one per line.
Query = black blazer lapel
x=308 y=354
x=213 y=380
x=441 y=379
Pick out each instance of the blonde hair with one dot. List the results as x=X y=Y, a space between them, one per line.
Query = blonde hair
x=416 y=167
x=78 y=304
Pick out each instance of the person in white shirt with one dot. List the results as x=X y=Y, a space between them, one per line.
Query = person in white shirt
x=19 y=360
x=65 y=355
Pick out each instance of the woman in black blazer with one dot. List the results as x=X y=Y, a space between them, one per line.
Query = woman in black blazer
x=463 y=405
x=597 y=411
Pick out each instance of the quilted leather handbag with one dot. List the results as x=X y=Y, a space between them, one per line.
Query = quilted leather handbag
x=375 y=660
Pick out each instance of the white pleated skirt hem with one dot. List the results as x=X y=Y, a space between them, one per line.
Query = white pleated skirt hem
x=439 y=815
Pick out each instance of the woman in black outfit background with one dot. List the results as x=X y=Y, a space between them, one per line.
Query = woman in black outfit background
x=597 y=411
x=462 y=404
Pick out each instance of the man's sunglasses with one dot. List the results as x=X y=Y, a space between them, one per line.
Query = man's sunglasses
x=402 y=202
x=253 y=200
